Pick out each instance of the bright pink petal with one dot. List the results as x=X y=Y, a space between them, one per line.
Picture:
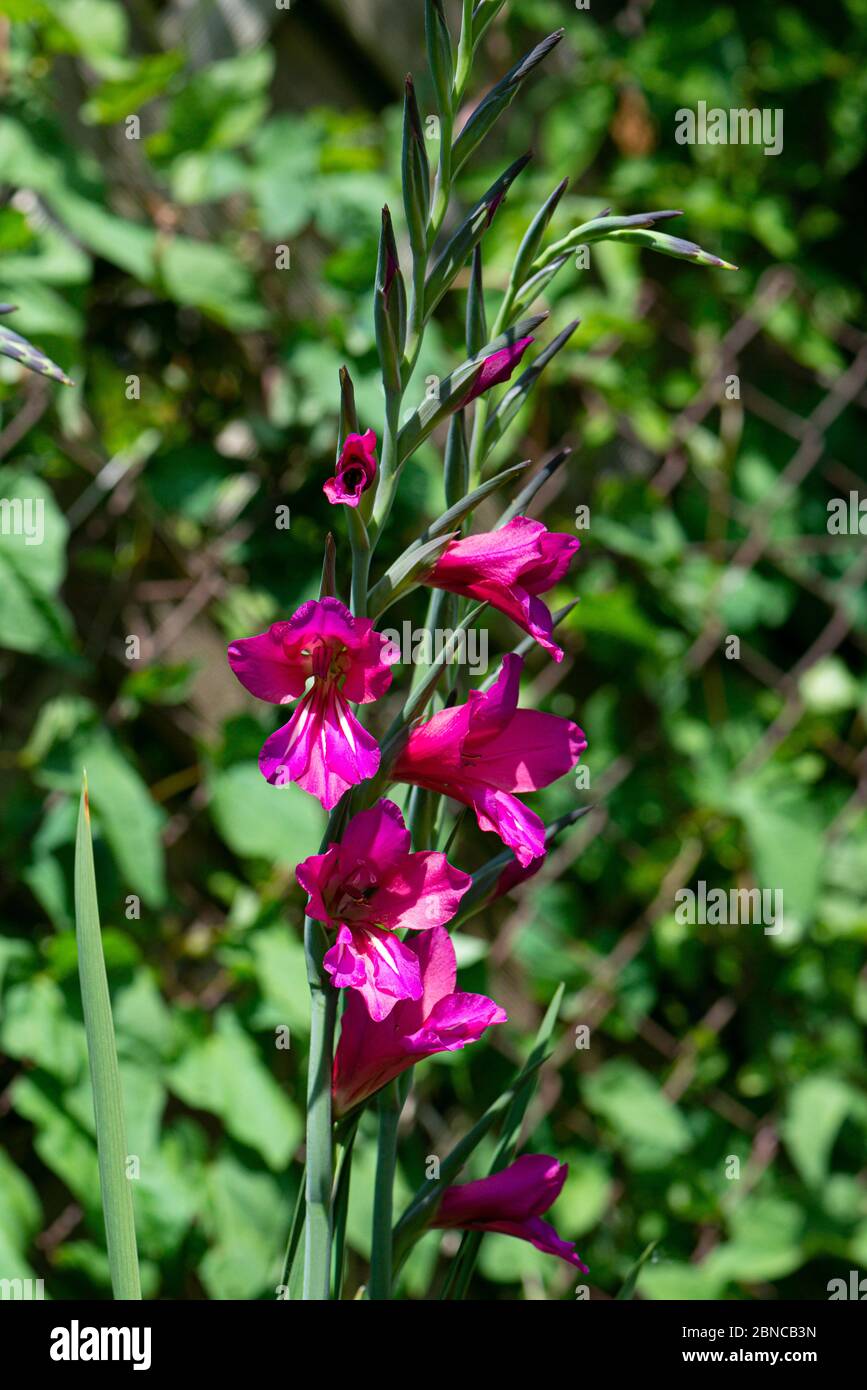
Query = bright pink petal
x=532 y=752
x=368 y=663
x=346 y=961
x=266 y=668
x=323 y=748
x=483 y=752
x=454 y=1022
x=439 y=971
x=316 y=875
x=528 y=1187
x=497 y=367
x=500 y=557
x=557 y=552
x=356 y=469
x=519 y=828
x=512 y=1202
x=378 y=835
x=370 y=1054
x=377 y=964
x=423 y=890
x=508 y=568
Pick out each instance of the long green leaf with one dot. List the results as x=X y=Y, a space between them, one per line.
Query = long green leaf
x=498 y=99
x=114 y=1185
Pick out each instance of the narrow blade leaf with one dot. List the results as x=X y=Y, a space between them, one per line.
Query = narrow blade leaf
x=114 y=1185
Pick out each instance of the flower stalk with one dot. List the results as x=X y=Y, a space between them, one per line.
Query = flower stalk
x=320 y=1163
x=388 y=1111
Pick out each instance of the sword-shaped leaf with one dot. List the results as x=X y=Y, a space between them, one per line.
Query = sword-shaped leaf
x=460 y=245
x=517 y=392
x=14 y=346
x=492 y=106
x=115 y=1189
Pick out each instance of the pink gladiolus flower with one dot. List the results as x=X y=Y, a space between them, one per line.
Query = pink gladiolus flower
x=512 y=1202
x=355 y=471
x=482 y=752
x=497 y=366
x=509 y=568
x=369 y=1054
x=323 y=747
x=370 y=886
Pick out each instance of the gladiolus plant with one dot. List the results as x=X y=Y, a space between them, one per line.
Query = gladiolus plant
x=392 y=878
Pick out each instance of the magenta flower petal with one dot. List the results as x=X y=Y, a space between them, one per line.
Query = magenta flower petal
x=370 y=885
x=453 y=1022
x=323 y=747
x=266 y=668
x=519 y=828
x=424 y=891
x=377 y=964
x=508 y=569
x=483 y=752
x=512 y=1202
x=355 y=470
x=372 y=1053
x=497 y=367
x=379 y=835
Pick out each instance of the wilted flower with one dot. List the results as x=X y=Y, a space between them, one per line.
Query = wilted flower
x=441 y=1019
x=508 y=569
x=512 y=1203
x=323 y=747
x=355 y=470
x=482 y=752
x=370 y=886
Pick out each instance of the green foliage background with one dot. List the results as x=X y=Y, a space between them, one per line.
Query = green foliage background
x=155 y=258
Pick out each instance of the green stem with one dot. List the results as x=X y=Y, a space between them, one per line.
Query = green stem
x=383 y=1195
x=360 y=543
x=323 y=1013
x=389 y=472
x=341 y=1203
